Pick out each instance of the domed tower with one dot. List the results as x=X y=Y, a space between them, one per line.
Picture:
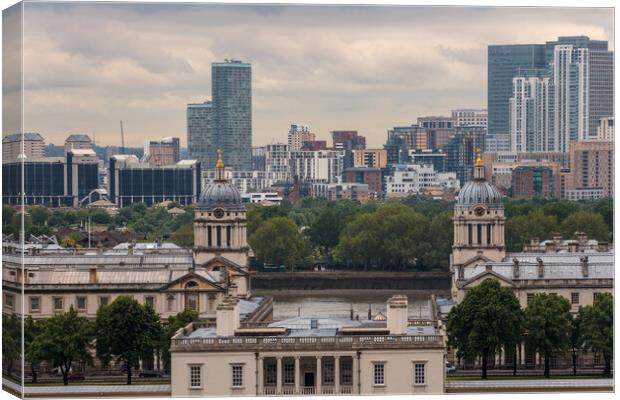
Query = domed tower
x=478 y=220
x=220 y=222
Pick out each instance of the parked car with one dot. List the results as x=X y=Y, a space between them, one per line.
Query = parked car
x=76 y=377
x=449 y=367
x=150 y=374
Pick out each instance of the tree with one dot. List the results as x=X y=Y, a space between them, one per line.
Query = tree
x=65 y=339
x=597 y=324
x=576 y=339
x=590 y=223
x=488 y=317
x=278 y=241
x=324 y=232
x=38 y=214
x=34 y=354
x=441 y=235
x=128 y=330
x=11 y=340
x=175 y=322
x=521 y=229
x=184 y=236
x=547 y=325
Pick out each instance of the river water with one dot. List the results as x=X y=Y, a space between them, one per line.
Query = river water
x=332 y=303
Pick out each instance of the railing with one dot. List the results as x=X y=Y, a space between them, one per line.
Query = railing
x=306 y=390
x=294 y=343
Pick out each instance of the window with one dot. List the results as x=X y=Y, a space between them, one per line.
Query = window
x=170 y=303
x=195 y=375
x=80 y=303
x=574 y=298
x=270 y=374
x=150 y=301
x=58 y=304
x=328 y=373
x=346 y=373
x=35 y=304
x=379 y=374
x=192 y=301
x=530 y=297
x=237 y=376
x=9 y=300
x=289 y=373
x=104 y=301
x=419 y=374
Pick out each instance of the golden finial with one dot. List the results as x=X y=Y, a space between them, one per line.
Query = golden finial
x=220 y=163
x=479 y=162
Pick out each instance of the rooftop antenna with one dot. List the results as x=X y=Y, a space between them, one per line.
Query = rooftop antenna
x=122 y=139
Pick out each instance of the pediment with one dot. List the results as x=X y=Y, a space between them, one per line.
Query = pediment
x=195 y=280
x=476 y=280
x=218 y=262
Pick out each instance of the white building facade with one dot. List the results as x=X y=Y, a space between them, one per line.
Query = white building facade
x=411 y=178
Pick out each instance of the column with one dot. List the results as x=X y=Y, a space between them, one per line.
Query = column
x=319 y=376
x=356 y=366
x=259 y=376
x=279 y=375
x=336 y=374
x=297 y=375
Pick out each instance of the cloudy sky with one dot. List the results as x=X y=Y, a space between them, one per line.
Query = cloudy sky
x=87 y=66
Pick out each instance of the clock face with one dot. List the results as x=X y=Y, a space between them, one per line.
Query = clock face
x=479 y=211
x=218 y=212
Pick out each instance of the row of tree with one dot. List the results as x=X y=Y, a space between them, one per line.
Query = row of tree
x=124 y=331
x=490 y=319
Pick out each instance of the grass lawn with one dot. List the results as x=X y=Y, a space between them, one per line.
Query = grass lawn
x=522 y=377
x=104 y=383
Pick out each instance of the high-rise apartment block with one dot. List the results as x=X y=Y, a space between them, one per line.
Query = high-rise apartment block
x=200 y=133
x=605 y=130
x=30 y=144
x=591 y=167
x=78 y=142
x=436 y=122
x=530 y=112
x=324 y=166
x=162 y=152
x=347 y=140
x=470 y=117
x=298 y=135
x=367 y=175
x=376 y=158
x=231 y=86
x=533 y=182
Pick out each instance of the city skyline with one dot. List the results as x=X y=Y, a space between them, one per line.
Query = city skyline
x=79 y=81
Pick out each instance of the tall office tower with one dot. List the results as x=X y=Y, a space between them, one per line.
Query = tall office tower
x=298 y=135
x=596 y=91
x=231 y=86
x=461 y=152
x=571 y=110
x=436 y=122
x=78 y=142
x=32 y=145
x=504 y=63
x=200 y=134
x=531 y=112
x=162 y=152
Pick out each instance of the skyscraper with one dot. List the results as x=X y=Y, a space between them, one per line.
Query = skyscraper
x=231 y=86
x=504 y=63
x=200 y=133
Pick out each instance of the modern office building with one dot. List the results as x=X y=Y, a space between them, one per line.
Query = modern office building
x=308 y=355
x=591 y=167
x=370 y=176
x=53 y=181
x=131 y=181
x=248 y=181
x=436 y=158
x=278 y=159
x=470 y=117
x=376 y=158
x=348 y=191
x=533 y=182
x=436 y=122
x=162 y=152
x=231 y=86
x=410 y=179
x=314 y=145
x=605 y=130
x=412 y=137
x=30 y=144
x=299 y=134
x=258 y=158
x=438 y=138
x=504 y=63
x=323 y=166
x=531 y=112
x=347 y=140
x=77 y=141
x=461 y=151
x=201 y=142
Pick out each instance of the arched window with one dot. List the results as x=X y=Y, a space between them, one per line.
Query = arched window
x=191 y=297
x=191 y=285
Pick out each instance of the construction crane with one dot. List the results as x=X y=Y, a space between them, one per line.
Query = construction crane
x=122 y=139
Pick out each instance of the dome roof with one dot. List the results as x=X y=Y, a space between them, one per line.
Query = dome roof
x=219 y=193
x=479 y=192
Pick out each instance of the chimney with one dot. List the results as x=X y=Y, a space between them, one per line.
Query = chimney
x=573 y=246
x=233 y=289
x=130 y=249
x=582 y=237
x=557 y=239
x=31 y=251
x=550 y=247
x=515 y=268
x=585 y=271
x=397 y=314
x=92 y=275
x=603 y=246
x=227 y=317
x=534 y=242
x=541 y=267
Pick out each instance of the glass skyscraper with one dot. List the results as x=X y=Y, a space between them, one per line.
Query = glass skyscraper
x=231 y=86
x=200 y=138
x=504 y=63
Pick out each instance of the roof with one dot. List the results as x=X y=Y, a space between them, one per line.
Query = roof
x=18 y=137
x=78 y=137
x=83 y=152
x=176 y=210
